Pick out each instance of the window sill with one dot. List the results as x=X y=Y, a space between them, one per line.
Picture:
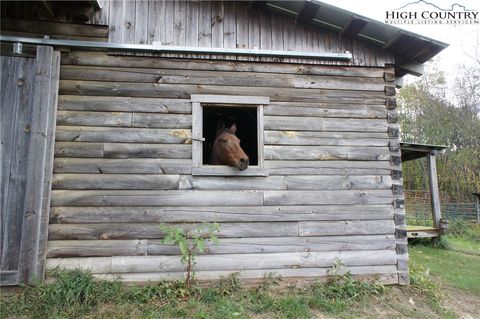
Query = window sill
x=220 y=170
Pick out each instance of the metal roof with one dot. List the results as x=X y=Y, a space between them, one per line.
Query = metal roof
x=411 y=151
x=410 y=49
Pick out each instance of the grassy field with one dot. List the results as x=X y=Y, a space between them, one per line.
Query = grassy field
x=445 y=284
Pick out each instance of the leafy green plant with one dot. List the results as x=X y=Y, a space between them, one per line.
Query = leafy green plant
x=163 y=290
x=229 y=285
x=190 y=242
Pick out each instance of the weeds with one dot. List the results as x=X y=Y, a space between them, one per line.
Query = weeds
x=423 y=284
x=337 y=294
x=458 y=228
x=75 y=294
x=228 y=286
x=71 y=294
x=190 y=242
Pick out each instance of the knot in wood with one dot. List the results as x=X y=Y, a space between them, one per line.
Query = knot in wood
x=104 y=236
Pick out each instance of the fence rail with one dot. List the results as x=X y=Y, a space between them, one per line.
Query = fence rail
x=419 y=211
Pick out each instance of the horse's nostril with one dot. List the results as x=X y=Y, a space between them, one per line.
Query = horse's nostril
x=244 y=160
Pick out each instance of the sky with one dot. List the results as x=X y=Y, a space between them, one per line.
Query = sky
x=463 y=39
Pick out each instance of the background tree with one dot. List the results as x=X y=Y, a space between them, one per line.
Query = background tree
x=432 y=112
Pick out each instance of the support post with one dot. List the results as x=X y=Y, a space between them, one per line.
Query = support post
x=434 y=192
x=477 y=207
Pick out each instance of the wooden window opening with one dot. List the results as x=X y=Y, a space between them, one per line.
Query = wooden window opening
x=246 y=112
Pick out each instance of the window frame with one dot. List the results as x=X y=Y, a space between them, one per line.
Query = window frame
x=198 y=101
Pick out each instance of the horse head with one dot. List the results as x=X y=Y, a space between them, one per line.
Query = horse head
x=226 y=149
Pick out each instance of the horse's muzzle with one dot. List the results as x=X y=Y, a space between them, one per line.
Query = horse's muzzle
x=243 y=163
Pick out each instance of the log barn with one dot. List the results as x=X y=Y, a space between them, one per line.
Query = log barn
x=108 y=111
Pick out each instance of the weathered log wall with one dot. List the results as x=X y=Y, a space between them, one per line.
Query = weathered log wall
x=228 y=24
x=123 y=165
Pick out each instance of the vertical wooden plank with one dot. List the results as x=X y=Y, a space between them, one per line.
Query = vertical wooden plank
x=242 y=26
x=434 y=193
x=229 y=25
x=9 y=80
x=265 y=31
x=205 y=24
x=156 y=18
x=277 y=32
x=197 y=133
x=260 y=135
x=47 y=184
x=321 y=41
x=141 y=21
x=192 y=24
x=115 y=33
x=253 y=28
x=169 y=22
x=301 y=39
x=288 y=34
x=179 y=21
x=129 y=23
x=21 y=128
x=36 y=165
x=310 y=38
x=217 y=24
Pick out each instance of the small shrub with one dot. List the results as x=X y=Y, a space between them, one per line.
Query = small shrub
x=190 y=242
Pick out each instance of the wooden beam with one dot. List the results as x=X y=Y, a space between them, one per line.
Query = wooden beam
x=308 y=11
x=413 y=68
x=354 y=26
x=434 y=193
x=37 y=157
x=8 y=278
x=47 y=185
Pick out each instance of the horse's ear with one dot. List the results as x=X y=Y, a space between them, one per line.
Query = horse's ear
x=220 y=127
x=233 y=128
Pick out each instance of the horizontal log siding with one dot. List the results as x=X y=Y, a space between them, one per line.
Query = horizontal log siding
x=123 y=165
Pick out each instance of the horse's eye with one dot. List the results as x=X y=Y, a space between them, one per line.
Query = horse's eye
x=225 y=141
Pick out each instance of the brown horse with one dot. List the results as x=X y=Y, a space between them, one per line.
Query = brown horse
x=226 y=149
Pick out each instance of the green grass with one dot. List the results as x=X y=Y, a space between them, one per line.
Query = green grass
x=75 y=294
x=456 y=264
